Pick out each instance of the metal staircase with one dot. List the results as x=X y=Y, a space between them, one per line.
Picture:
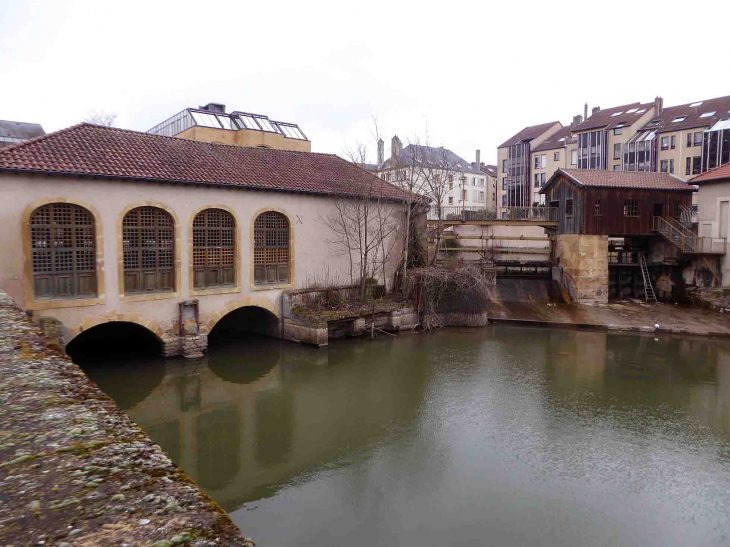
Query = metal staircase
x=679 y=236
x=649 y=294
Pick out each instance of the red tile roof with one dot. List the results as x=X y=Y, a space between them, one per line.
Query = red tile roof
x=606 y=119
x=722 y=172
x=640 y=180
x=528 y=133
x=94 y=150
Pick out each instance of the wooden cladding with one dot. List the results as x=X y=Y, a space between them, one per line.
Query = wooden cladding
x=271 y=249
x=63 y=251
x=148 y=235
x=214 y=249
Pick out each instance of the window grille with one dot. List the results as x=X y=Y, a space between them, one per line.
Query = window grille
x=148 y=236
x=63 y=251
x=631 y=208
x=214 y=238
x=271 y=249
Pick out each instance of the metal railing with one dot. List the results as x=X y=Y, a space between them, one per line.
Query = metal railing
x=691 y=244
x=467 y=213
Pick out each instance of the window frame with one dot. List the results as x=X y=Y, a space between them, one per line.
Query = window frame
x=617 y=149
x=144 y=273
x=226 y=273
x=569 y=208
x=631 y=208
x=556 y=156
x=45 y=234
x=665 y=143
x=261 y=267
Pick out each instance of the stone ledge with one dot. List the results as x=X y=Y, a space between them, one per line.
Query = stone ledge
x=74 y=469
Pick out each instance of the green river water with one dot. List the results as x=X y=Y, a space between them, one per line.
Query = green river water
x=492 y=436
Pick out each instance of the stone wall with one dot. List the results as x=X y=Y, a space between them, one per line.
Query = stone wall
x=581 y=266
x=75 y=470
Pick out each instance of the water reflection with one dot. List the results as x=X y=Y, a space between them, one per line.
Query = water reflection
x=504 y=430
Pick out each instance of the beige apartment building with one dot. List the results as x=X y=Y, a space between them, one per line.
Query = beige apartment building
x=514 y=161
x=491 y=172
x=211 y=123
x=691 y=138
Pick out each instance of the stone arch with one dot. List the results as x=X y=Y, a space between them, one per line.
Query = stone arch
x=92 y=321
x=29 y=292
x=247 y=302
x=177 y=253
x=292 y=250
x=237 y=246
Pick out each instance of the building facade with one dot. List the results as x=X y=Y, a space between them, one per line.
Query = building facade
x=155 y=225
x=211 y=123
x=464 y=183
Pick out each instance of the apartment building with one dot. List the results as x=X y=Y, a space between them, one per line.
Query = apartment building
x=603 y=135
x=466 y=182
x=491 y=172
x=687 y=140
x=555 y=152
x=211 y=123
x=515 y=161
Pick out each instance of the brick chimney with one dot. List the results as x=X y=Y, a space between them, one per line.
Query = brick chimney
x=577 y=120
x=395 y=148
x=479 y=158
x=595 y=110
x=658 y=105
x=381 y=152
x=585 y=112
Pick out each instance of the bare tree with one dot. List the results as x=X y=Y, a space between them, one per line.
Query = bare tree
x=99 y=117
x=437 y=177
x=364 y=226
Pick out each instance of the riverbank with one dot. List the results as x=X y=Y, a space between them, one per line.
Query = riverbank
x=622 y=315
x=75 y=470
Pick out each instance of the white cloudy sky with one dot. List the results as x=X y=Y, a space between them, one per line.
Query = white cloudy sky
x=469 y=73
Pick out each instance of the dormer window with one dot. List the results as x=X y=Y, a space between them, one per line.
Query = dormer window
x=707 y=114
x=679 y=119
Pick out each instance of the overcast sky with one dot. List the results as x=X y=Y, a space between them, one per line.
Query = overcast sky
x=469 y=74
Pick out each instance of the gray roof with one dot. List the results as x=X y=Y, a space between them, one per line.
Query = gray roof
x=455 y=163
x=20 y=130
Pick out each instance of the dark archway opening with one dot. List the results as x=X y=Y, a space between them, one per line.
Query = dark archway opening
x=123 y=359
x=243 y=346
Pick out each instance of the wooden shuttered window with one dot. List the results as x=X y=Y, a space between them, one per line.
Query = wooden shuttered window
x=214 y=260
x=63 y=251
x=148 y=235
x=271 y=249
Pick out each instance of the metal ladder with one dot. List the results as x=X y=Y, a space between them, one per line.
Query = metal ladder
x=648 y=289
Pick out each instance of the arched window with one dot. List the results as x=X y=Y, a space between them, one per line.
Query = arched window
x=148 y=234
x=63 y=249
x=214 y=239
x=271 y=249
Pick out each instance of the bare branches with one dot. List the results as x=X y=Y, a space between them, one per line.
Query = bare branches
x=363 y=225
x=456 y=295
x=99 y=117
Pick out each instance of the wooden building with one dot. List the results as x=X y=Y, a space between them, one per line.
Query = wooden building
x=614 y=203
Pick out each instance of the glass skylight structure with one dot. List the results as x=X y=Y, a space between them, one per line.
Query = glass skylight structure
x=716 y=145
x=236 y=121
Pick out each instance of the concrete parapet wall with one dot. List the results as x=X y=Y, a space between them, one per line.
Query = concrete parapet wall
x=581 y=266
x=75 y=470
